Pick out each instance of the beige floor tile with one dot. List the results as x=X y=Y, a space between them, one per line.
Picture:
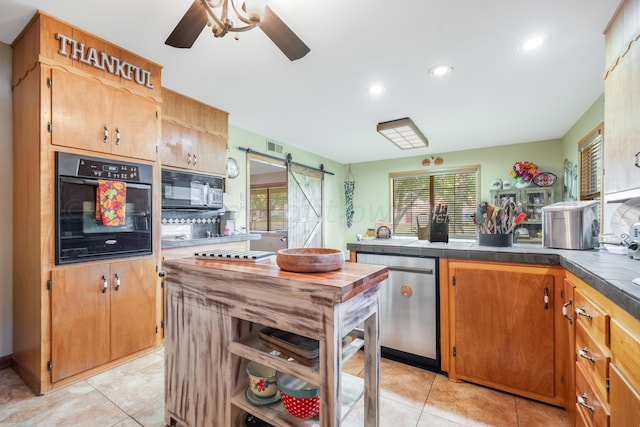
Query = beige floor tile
x=404 y=383
x=134 y=385
x=355 y=364
x=152 y=415
x=477 y=404
x=392 y=414
x=76 y=405
x=536 y=414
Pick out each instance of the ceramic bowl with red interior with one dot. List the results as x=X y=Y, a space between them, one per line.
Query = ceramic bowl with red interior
x=300 y=398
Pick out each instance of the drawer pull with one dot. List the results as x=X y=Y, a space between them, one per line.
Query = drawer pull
x=105 y=285
x=580 y=311
x=565 y=310
x=584 y=353
x=582 y=401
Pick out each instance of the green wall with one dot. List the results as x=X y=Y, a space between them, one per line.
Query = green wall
x=236 y=196
x=372 y=194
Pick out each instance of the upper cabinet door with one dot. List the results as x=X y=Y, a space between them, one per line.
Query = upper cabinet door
x=622 y=106
x=81 y=110
x=188 y=148
x=89 y=115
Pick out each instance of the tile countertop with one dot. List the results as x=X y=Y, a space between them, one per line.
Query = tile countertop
x=177 y=243
x=611 y=274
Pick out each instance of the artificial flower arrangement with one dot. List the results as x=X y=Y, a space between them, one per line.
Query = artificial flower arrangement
x=525 y=171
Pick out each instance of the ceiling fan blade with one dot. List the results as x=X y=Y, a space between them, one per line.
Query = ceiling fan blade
x=282 y=36
x=189 y=27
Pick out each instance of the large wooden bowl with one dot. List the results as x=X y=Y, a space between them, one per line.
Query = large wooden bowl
x=310 y=260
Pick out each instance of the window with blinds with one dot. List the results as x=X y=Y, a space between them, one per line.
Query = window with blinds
x=590 y=149
x=268 y=209
x=418 y=195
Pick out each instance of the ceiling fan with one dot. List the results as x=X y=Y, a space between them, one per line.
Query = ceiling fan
x=216 y=14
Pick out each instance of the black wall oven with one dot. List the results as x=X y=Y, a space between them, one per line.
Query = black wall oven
x=79 y=235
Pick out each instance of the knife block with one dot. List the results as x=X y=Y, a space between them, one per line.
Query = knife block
x=439 y=232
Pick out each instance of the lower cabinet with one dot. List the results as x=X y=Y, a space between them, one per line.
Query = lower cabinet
x=101 y=312
x=505 y=328
x=607 y=361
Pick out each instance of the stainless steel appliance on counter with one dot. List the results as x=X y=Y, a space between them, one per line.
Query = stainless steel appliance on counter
x=79 y=235
x=571 y=225
x=409 y=309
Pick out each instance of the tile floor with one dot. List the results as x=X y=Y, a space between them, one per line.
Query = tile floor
x=131 y=395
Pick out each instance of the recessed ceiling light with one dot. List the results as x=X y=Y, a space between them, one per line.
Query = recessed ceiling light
x=375 y=89
x=532 y=43
x=440 y=70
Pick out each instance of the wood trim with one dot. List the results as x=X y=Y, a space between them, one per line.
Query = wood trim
x=445 y=343
x=5 y=362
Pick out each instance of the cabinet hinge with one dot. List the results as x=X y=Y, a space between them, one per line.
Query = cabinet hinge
x=157 y=115
x=49 y=82
x=49 y=365
x=49 y=284
x=562 y=293
x=156 y=329
x=49 y=127
x=454 y=351
x=162 y=324
x=561 y=379
x=607 y=385
x=454 y=280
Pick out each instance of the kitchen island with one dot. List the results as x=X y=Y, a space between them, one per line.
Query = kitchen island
x=214 y=311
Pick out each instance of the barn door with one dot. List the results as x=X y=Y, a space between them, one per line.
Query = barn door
x=305 y=206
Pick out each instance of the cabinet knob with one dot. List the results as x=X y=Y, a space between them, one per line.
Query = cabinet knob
x=105 y=285
x=406 y=291
x=117 y=281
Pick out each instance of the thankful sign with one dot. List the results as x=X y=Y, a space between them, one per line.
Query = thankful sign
x=103 y=61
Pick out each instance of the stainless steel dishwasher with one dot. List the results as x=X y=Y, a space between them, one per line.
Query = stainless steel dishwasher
x=409 y=309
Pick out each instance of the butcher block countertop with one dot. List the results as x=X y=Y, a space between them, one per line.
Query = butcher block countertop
x=334 y=286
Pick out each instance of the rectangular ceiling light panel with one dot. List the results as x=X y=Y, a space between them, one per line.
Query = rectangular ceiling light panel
x=403 y=133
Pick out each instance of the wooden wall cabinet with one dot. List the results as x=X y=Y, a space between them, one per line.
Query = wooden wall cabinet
x=505 y=328
x=89 y=115
x=194 y=135
x=62 y=329
x=622 y=103
x=101 y=312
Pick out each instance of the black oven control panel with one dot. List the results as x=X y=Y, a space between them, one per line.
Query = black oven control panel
x=99 y=169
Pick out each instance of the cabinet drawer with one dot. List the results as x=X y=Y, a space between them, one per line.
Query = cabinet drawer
x=588 y=403
x=626 y=348
x=594 y=360
x=625 y=401
x=592 y=317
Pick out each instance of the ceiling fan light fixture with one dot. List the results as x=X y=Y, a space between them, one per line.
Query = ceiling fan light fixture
x=403 y=133
x=255 y=9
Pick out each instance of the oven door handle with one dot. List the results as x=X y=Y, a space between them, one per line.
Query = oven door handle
x=94 y=182
x=411 y=269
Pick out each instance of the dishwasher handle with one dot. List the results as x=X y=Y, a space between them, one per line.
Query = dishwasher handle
x=411 y=269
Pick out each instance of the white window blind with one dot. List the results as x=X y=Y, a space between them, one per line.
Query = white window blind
x=420 y=194
x=590 y=150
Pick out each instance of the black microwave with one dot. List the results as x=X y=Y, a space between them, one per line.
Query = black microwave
x=186 y=190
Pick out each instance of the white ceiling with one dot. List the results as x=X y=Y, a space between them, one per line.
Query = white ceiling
x=496 y=95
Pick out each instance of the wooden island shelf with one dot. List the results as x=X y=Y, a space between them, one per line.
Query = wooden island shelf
x=214 y=311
